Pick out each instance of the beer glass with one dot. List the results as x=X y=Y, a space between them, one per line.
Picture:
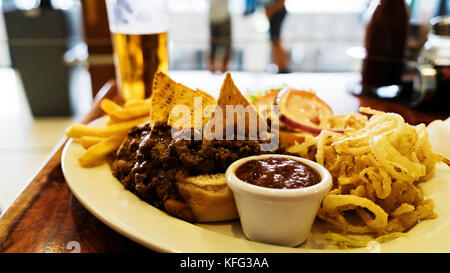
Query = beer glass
x=139 y=34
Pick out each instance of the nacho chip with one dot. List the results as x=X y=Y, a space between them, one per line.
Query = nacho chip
x=231 y=96
x=207 y=100
x=163 y=95
x=196 y=102
x=177 y=104
x=184 y=98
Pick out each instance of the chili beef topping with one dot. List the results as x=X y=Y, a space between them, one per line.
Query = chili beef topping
x=151 y=161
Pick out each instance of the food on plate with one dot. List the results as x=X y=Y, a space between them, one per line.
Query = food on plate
x=278 y=173
x=259 y=97
x=97 y=152
x=163 y=96
x=230 y=95
x=182 y=173
x=127 y=113
x=303 y=110
x=100 y=142
x=300 y=113
x=135 y=102
x=81 y=130
x=88 y=141
x=265 y=98
x=168 y=94
x=376 y=164
x=439 y=132
x=161 y=151
x=153 y=165
x=277 y=196
x=109 y=106
x=346 y=241
x=209 y=197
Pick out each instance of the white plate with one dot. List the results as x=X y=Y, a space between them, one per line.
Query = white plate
x=103 y=195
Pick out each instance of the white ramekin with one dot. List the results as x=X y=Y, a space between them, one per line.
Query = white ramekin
x=277 y=216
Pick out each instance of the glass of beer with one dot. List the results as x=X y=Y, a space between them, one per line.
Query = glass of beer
x=139 y=34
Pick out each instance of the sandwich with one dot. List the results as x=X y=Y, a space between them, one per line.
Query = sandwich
x=182 y=173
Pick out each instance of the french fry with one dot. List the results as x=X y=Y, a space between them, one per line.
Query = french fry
x=110 y=122
x=96 y=153
x=88 y=141
x=123 y=127
x=108 y=106
x=130 y=113
x=81 y=130
x=134 y=103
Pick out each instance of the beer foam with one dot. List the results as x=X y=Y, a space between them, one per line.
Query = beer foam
x=139 y=29
x=137 y=18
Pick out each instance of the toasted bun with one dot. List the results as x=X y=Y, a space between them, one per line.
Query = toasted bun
x=209 y=197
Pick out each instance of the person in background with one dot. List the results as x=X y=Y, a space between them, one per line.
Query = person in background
x=220 y=34
x=251 y=6
x=276 y=12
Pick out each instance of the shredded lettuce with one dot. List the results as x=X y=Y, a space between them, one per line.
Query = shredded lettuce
x=351 y=242
x=254 y=95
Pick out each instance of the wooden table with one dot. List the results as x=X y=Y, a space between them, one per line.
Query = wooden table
x=46 y=217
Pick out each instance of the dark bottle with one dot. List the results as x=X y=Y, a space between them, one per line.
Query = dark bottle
x=385 y=43
x=443 y=8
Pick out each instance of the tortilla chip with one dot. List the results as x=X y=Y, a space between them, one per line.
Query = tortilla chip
x=230 y=95
x=184 y=97
x=163 y=96
x=168 y=94
x=207 y=100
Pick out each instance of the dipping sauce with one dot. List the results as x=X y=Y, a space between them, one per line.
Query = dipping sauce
x=278 y=173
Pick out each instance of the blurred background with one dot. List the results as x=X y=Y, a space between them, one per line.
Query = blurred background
x=56 y=54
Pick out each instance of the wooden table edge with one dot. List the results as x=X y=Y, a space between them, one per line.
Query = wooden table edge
x=10 y=218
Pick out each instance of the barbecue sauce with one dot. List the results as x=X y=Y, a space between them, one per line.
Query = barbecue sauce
x=278 y=173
